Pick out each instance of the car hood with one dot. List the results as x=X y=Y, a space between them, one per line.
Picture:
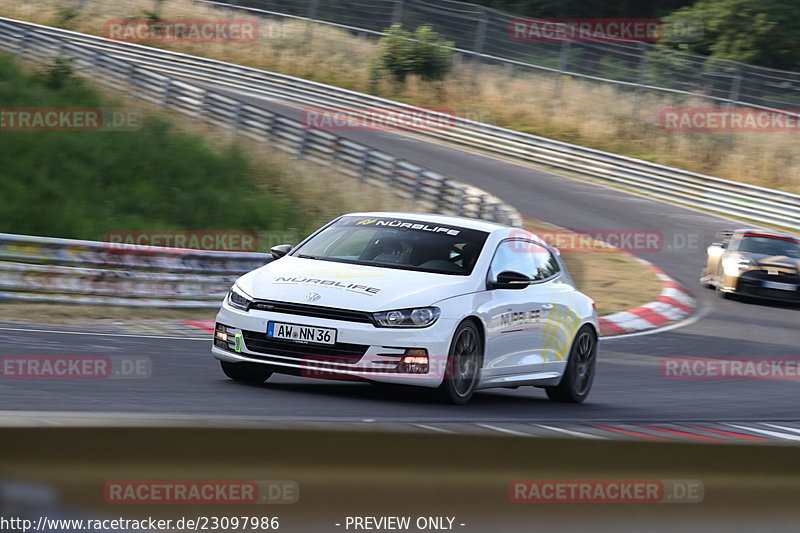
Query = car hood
x=358 y=287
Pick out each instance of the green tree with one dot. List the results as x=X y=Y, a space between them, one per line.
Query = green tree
x=765 y=33
x=587 y=8
x=423 y=52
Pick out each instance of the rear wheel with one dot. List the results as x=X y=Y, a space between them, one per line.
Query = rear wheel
x=463 y=365
x=246 y=372
x=579 y=374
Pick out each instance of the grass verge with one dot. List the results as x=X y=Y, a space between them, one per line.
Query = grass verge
x=614 y=279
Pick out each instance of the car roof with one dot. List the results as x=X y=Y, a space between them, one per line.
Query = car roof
x=767 y=233
x=463 y=222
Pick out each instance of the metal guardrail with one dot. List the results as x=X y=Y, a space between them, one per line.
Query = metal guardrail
x=696 y=190
x=43 y=269
x=64 y=270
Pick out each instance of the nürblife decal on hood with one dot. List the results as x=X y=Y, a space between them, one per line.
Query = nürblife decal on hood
x=334 y=284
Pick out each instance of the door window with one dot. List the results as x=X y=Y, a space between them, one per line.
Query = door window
x=525 y=257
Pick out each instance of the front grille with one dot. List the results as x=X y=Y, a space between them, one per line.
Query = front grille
x=336 y=353
x=315 y=311
x=763 y=292
x=763 y=275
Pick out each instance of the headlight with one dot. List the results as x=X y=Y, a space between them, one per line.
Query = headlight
x=733 y=266
x=238 y=299
x=407 y=318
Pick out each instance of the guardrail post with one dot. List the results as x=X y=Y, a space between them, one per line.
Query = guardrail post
x=362 y=171
x=96 y=60
x=23 y=41
x=397 y=12
x=237 y=115
x=496 y=212
x=301 y=149
x=462 y=203
x=480 y=37
x=270 y=130
x=563 y=60
x=736 y=85
x=642 y=79
x=312 y=16
x=165 y=99
x=335 y=150
x=481 y=205
x=391 y=172
x=417 y=184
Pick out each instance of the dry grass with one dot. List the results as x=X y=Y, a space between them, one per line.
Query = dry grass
x=598 y=116
x=614 y=279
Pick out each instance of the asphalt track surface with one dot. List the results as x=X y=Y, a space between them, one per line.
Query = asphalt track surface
x=628 y=388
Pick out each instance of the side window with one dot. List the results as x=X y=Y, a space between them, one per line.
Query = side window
x=525 y=257
x=548 y=265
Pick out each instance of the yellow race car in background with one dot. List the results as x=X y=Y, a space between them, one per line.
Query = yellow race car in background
x=757 y=263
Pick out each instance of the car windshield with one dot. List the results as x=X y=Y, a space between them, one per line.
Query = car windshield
x=397 y=243
x=769 y=245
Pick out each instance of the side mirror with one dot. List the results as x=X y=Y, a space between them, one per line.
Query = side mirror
x=718 y=244
x=509 y=279
x=280 y=250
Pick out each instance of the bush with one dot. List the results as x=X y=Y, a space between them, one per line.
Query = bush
x=81 y=184
x=424 y=53
x=58 y=74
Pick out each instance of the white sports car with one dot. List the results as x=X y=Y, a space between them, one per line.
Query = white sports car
x=450 y=303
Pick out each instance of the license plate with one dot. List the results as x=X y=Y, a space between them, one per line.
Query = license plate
x=298 y=333
x=780 y=286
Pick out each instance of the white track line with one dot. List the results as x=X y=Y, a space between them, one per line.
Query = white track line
x=432 y=428
x=793 y=430
x=504 y=430
x=776 y=434
x=570 y=432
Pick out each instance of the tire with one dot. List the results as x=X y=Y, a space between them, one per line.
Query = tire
x=576 y=382
x=246 y=372
x=463 y=365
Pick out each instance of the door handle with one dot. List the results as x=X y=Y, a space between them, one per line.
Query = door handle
x=547 y=307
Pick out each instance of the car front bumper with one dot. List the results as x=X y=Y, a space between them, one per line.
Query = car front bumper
x=362 y=351
x=751 y=284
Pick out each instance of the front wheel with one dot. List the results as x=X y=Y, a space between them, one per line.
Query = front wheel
x=246 y=372
x=463 y=365
x=579 y=374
